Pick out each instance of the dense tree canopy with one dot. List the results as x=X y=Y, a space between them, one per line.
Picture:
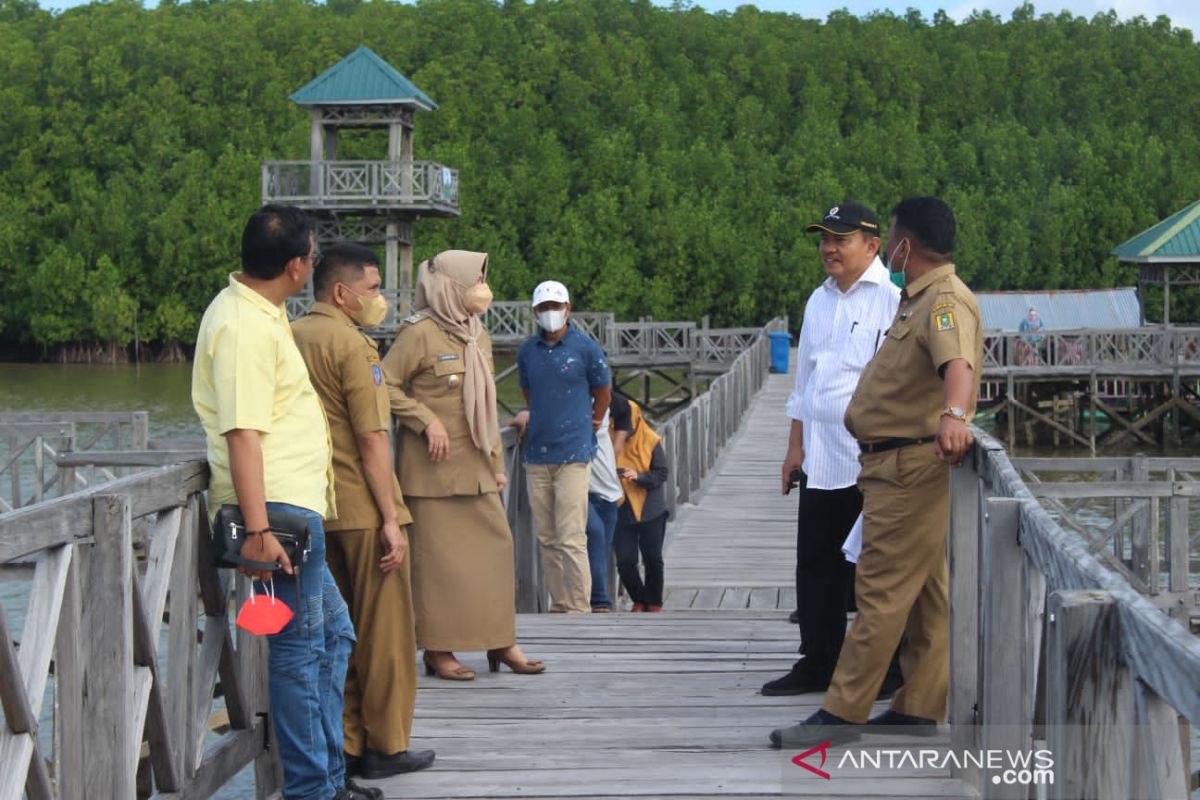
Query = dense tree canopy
x=659 y=161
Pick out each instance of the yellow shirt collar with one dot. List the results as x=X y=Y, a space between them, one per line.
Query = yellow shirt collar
x=254 y=298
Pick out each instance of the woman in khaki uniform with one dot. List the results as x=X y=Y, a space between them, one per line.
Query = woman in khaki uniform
x=441 y=385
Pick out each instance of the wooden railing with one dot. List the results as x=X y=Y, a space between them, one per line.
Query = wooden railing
x=101 y=616
x=30 y=443
x=362 y=185
x=1117 y=505
x=1155 y=346
x=692 y=440
x=1109 y=695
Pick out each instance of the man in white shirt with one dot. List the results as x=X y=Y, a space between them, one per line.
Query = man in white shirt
x=844 y=322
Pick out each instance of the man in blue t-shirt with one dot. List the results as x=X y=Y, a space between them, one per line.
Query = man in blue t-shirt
x=567 y=385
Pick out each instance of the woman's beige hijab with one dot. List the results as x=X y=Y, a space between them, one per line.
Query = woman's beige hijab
x=441 y=283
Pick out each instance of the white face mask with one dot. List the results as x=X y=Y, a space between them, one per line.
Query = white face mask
x=552 y=321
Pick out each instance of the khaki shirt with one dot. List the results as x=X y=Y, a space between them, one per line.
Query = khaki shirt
x=247 y=374
x=424 y=371
x=343 y=364
x=901 y=394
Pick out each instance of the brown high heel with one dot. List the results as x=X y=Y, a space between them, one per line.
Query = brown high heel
x=529 y=667
x=459 y=673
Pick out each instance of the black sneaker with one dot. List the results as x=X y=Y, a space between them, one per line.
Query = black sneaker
x=797 y=681
x=352 y=791
x=376 y=765
x=820 y=727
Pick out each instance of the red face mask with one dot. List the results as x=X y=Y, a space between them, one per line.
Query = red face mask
x=262 y=614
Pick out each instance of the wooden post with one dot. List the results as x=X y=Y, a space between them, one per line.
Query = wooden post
x=965 y=499
x=1177 y=551
x=1012 y=412
x=1006 y=721
x=68 y=688
x=109 y=743
x=1089 y=699
x=1093 y=389
x=1161 y=764
x=1140 y=562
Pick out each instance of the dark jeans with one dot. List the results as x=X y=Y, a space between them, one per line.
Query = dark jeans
x=601 y=525
x=824 y=579
x=308 y=674
x=646 y=536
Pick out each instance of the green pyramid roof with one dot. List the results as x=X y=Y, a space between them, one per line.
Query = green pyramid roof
x=1176 y=238
x=362 y=78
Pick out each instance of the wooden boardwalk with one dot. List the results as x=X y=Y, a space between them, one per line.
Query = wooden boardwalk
x=659 y=705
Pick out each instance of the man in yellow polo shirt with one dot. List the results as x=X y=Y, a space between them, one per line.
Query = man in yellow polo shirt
x=367 y=541
x=268 y=447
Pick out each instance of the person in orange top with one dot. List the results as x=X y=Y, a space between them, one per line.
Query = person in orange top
x=642 y=517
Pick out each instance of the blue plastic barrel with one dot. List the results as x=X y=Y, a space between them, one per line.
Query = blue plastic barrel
x=781 y=344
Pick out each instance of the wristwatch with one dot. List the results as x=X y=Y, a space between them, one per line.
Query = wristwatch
x=954 y=412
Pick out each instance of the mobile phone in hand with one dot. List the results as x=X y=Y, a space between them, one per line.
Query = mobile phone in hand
x=793 y=481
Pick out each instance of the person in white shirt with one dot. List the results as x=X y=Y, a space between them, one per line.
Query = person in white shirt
x=844 y=322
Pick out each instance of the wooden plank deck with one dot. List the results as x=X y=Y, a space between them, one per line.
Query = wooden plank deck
x=659 y=705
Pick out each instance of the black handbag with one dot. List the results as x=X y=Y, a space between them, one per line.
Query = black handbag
x=229 y=534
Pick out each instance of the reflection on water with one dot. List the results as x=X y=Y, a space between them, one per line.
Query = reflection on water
x=164 y=390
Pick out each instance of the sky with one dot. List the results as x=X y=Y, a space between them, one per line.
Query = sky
x=1183 y=13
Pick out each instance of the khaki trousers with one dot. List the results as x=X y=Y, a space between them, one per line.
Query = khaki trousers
x=558 y=497
x=901 y=587
x=381 y=681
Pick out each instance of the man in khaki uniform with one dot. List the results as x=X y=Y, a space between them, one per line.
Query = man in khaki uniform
x=367 y=543
x=909 y=415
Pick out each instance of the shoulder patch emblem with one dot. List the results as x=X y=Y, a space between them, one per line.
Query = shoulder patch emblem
x=944 y=320
x=414 y=318
x=942 y=307
x=377 y=374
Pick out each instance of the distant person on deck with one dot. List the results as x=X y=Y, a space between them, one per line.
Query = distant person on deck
x=642 y=518
x=567 y=386
x=1032 y=324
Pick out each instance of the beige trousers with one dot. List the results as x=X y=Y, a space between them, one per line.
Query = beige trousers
x=558 y=497
x=901 y=586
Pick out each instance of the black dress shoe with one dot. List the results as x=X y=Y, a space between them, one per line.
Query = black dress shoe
x=820 y=727
x=352 y=791
x=376 y=765
x=902 y=724
x=794 y=617
x=353 y=765
x=798 y=681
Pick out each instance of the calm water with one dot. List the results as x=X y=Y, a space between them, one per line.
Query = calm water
x=162 y=389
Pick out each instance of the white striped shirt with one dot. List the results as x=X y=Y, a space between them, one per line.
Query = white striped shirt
x=839 y=335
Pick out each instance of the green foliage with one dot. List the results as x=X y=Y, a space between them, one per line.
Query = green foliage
x=660 y=161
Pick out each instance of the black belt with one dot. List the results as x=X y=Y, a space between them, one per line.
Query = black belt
x=891 y=444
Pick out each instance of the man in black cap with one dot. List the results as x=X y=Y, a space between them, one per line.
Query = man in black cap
x=844 y=320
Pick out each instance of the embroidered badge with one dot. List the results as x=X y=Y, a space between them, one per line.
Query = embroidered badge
x=945 y=320
x=448 y=357
x=377 y=374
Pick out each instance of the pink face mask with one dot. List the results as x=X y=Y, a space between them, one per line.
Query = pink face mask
x=263 y=614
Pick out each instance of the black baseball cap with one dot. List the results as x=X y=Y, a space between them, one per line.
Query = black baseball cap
x=847 y=218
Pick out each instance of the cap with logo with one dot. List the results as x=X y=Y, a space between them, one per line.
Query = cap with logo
x=847 y=218
x=550 y=292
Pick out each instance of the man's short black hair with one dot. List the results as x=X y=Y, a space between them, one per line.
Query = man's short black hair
x=930 y=221
x=343 y=262
x=273 y=236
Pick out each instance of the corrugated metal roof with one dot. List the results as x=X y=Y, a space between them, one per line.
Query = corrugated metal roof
x=1061 y=310
x=362 y=78
x=1177 y=236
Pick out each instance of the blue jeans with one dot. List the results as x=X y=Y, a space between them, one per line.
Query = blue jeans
x=601 y=522
x=307 y=668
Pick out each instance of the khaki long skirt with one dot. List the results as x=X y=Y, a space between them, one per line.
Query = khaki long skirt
x=463 y=585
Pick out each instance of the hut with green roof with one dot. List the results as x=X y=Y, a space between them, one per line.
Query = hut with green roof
x=1168 y=254
x=367 y=201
